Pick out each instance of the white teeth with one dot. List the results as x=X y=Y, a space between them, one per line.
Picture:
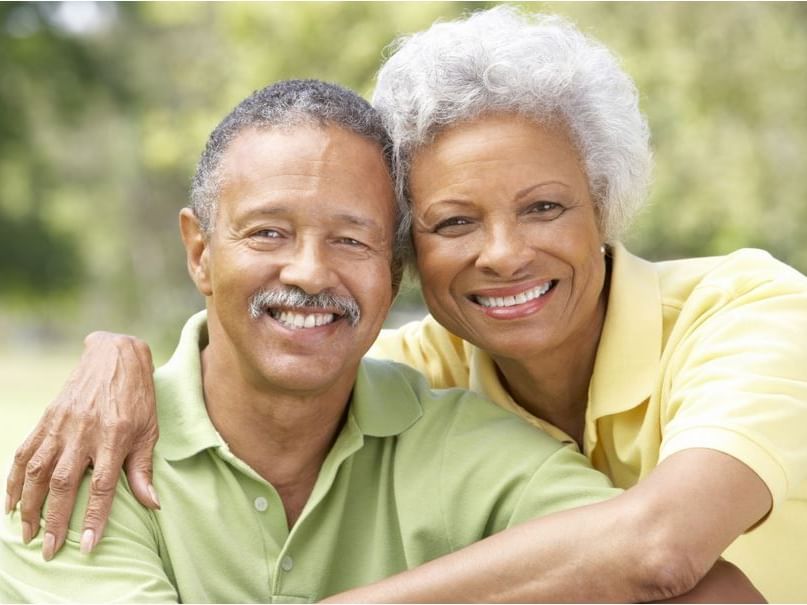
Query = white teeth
x=518 y=299
x=300 y=321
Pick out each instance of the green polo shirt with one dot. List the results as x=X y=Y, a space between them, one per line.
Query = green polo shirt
x=414 y=474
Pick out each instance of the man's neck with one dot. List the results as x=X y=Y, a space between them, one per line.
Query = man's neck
x=284 y=436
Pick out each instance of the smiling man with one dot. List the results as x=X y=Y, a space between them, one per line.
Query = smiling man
x=289 y=468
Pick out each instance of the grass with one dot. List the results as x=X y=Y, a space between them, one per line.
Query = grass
x=29 y=380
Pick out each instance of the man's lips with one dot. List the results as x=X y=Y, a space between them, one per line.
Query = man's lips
x=512 y=296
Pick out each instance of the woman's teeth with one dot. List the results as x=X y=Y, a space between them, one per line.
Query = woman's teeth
x=518 y=299
x=302 y=320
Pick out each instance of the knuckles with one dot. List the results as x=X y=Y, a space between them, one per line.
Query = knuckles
x=63 y=481
x=118 y=430
x=103 y=482
x=22 y=455
x=36 y=471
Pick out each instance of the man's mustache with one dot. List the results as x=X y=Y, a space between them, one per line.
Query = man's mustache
x=296 y=298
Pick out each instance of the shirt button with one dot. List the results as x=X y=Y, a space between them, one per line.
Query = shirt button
x=287 y=563
x=261 y=504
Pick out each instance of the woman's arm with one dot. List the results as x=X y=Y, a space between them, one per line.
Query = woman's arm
x=724 y=583
x=104 y=417
x=656 y=541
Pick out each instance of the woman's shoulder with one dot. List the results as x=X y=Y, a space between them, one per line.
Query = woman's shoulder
x=428 y=347
x=734 y=274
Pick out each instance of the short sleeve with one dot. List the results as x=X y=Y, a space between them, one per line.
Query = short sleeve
x=124 y=567
x=738 y=376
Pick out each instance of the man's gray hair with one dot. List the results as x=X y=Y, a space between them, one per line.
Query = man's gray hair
x=284 y=104
x=538 y=66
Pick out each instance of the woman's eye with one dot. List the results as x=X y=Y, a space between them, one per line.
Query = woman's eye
x=455 y=224
x=546 y=211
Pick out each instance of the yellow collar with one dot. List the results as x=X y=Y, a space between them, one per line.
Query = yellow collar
x=630 y=345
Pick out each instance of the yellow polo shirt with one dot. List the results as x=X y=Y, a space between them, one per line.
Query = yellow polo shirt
x=695 y=353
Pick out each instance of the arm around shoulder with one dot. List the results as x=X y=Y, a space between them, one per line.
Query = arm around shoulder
x=124 y=568
x=104 y=415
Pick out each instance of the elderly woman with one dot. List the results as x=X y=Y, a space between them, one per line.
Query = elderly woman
x=523 y=157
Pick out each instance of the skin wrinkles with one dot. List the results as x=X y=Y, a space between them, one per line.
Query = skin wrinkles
x=497 y=172
x=293 y=185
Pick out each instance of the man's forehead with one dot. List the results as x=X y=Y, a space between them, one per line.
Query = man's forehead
x=302 y=137
x=278 y=166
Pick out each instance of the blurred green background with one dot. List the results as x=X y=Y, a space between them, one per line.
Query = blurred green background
x=105 y=107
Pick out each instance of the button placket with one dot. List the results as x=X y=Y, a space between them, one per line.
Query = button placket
x=261 y=504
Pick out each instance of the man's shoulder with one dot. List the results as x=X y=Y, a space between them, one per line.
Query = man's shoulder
x=452 y=413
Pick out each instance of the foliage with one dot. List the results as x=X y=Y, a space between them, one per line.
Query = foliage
x=104 y=109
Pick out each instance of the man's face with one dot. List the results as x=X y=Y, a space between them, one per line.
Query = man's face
x=306 y=210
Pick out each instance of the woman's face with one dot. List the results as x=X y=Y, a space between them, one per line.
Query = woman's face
x=507 y=238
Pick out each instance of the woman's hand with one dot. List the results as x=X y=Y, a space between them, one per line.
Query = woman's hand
x=104 y=417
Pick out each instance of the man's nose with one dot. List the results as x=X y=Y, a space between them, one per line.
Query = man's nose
x=308 y=268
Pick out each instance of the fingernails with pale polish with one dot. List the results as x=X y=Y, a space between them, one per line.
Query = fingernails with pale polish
x=153 y=494
x=87 y=541
x=49 y=546
x=27 y=532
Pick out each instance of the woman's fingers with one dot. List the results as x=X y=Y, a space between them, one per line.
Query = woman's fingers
x=37 y=479
x=64 y=485
x=139 y=471
x=105 y=474
x=22 y=456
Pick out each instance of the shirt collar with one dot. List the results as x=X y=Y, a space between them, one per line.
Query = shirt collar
x=383 y=402
x=630 y=344
x=185 y=427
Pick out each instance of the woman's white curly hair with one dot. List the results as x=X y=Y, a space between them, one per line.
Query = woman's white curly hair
x=539 y=66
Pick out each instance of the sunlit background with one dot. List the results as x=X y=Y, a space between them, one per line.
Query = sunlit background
x=105 y=107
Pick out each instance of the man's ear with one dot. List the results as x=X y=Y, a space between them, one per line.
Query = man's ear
x=196 y=250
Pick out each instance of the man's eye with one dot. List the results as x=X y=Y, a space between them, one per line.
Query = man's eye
x=349 y=241
x=453 y=225
x=267 y=234
x=546 y=211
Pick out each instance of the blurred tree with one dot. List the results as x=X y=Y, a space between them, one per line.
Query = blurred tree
x=105 y=107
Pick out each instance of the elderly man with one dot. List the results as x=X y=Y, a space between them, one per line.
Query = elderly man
x=288 y=467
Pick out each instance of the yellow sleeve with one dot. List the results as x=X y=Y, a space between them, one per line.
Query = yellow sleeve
x=738 y=377
x=429 y=348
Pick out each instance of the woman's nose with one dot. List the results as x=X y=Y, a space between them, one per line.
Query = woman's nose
x=504 y=252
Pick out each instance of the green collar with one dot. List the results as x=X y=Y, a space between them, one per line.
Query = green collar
x=382 y=403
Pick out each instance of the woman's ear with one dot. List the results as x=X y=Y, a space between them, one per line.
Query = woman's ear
x=196 y=250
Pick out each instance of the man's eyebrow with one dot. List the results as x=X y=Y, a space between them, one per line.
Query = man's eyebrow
x=344 y=217
x=359 y=221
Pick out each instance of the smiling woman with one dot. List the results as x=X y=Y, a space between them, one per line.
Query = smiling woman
x=509 y=249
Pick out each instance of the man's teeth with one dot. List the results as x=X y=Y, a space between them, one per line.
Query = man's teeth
x=302 y=320
x=518 y=299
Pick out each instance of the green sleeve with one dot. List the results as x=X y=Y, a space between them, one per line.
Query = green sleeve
x=124 y=567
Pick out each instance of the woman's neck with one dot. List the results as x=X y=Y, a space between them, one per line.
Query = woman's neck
x=553 y=385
